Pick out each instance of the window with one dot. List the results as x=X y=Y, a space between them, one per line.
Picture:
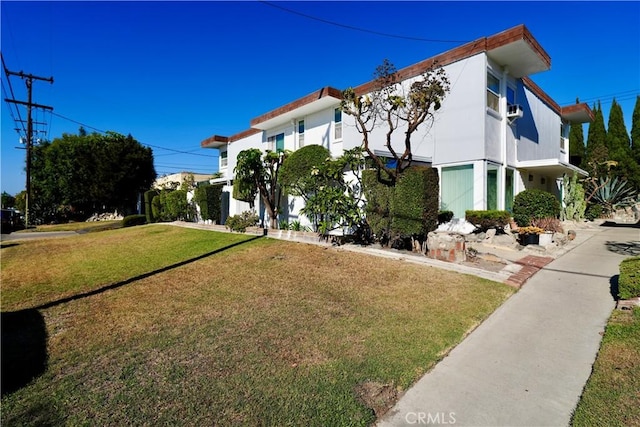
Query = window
x=276 y=142
x=337 y=118
x=493 y=91
x=223 y=159
x=508 y=191
x=492 y=188
x=300 y=133
x=457 y=189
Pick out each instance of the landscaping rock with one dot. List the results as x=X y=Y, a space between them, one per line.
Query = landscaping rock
x=446 y=246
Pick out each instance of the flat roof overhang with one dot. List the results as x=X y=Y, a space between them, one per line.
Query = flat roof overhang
x=215 y=141
x=577 y=113
x=518 y=51
x=316 y=101
x=550 y=167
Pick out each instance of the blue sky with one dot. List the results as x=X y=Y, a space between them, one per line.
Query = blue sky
x=174 y=73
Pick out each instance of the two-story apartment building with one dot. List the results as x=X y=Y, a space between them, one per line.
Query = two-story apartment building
x=496 y=134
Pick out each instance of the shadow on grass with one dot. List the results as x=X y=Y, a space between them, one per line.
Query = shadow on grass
x=24 y=348
x=8 y=245
x=613 y=286
x=140 y=277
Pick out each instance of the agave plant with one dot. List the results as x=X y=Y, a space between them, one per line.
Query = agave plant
x=613 y=194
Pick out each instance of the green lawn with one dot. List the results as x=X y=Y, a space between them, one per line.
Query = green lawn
x=136 y=326
x=612 y=394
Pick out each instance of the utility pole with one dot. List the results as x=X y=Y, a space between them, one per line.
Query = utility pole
x=29 y=82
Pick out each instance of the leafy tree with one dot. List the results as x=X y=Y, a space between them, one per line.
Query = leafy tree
x=21 y=200
x=8 y=201
x=336 y=200
x=576 y=144
x=396 y=106
x=87 y=173
x=619 y=148
x=258 y=174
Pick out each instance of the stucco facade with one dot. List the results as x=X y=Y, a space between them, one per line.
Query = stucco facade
x=496 y=134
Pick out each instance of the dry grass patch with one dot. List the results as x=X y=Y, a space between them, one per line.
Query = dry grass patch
x=267 y=333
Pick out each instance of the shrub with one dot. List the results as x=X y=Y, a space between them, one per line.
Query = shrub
x=172 y=205
x=629 y=280
x=378 y=207
x=131 y=220
x=415 y=204
x=242 y=222
x=296 y=175
x=548 y=224
x=574 y=201
x=148 y=211
x=534 y=204
x=593 y=212
x=445 y=216
x=208 y=198
x=485 y=220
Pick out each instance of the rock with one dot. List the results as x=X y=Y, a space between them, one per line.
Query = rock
x=489 y=235
x=571 y=234
x=458 y=226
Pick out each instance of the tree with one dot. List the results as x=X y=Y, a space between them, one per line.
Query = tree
x=8 y=201
x=259 y=174
x=576 y=144
x=596 y=151
x=635 y=131
x=398 y=106
x=296 y=175
x=79 y=175
x=619 y=148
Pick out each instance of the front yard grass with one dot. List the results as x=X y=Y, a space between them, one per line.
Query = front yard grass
x=263 y=333
x=612 y=394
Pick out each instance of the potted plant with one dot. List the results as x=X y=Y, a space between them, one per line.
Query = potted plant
x=530 y=235
x=550 y=225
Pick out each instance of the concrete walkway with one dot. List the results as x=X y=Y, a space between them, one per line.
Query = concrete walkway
x=527 y=364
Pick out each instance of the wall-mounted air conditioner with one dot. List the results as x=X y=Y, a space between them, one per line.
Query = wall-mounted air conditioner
x=514 y=111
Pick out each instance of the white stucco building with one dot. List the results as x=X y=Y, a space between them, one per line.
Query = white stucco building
x=496 y=134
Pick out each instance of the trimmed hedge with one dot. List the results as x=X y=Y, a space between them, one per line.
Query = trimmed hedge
x=295 y=175
x=148 y=198
x=378 y=208
x=534 y=204
x=131 y=220
x=414 y=205
x=629 y=280
x=485 y=220
x=208 y=197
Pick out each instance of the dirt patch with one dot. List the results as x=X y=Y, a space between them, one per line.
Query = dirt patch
x=485 y=264
x=379 y=397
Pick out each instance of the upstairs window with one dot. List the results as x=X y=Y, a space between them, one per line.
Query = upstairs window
x=337 y=119
x=276 y=142
x=301 y=133
x=223 y=159
x=493 y=92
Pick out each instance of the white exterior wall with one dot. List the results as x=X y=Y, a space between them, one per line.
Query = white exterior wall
x=539 y=130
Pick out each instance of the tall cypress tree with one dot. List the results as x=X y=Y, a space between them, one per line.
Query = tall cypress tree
x=619 y=147
x=596 y=151
x=576 y=143
x=635 y=131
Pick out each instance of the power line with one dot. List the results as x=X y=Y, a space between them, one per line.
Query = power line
x=364 y=30
x=143 y=143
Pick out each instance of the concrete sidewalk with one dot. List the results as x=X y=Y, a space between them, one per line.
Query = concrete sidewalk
x=527 y=364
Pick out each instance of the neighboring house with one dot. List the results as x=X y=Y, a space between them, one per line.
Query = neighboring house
x=178 y=178
x=496 y=134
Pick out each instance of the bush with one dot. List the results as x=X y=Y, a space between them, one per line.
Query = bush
x=208 y=197
x=242 y=222
x=485 y=220
x=629 y=280
x=445 y=216
x=415 y=204
x=378 y=208
x=172 y=205
x=148 y=210
x=593 y=212
x=534 y=204
x=131 y=220
x=296 y=175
